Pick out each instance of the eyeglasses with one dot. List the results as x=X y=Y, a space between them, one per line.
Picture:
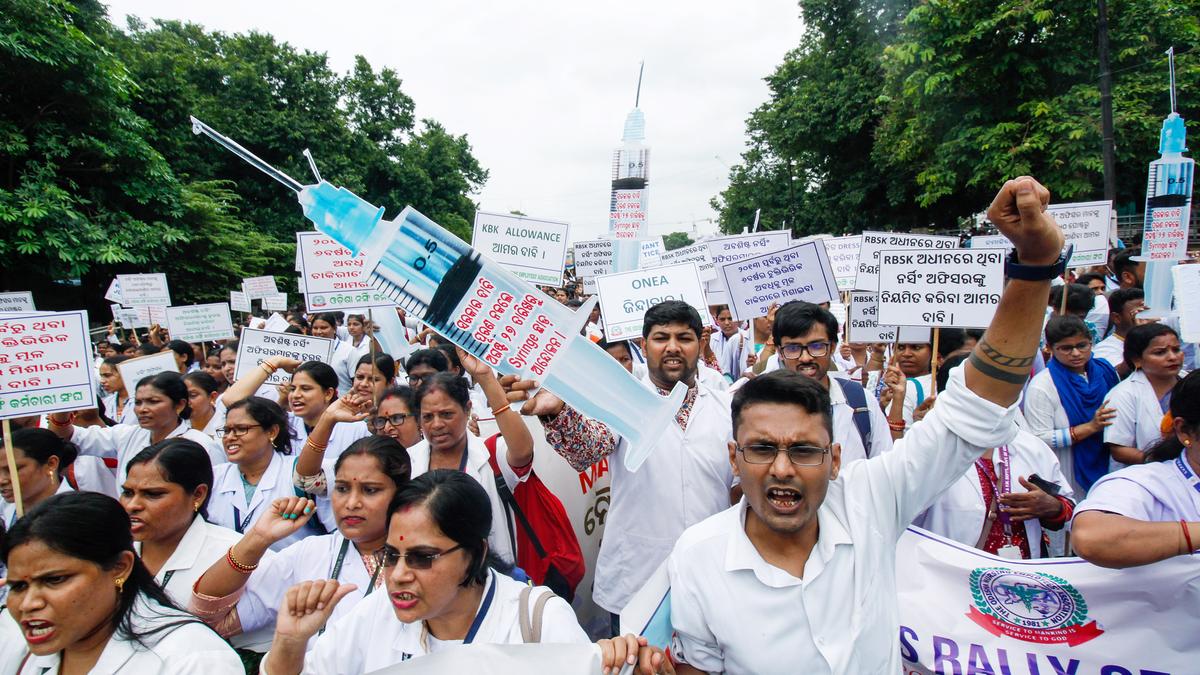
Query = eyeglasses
x=415 y=380
x=1081 y=347
x=235 y=432
x=816 y=350
x=382 y=421
x=800 y=455
x=413 y=560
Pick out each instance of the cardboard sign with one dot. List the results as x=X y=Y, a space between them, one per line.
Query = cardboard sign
x=1187 y=300
x=45 y=364
x=19 y=301
x=728 y=249
x=275 y=302
x=144 y=289
x=133 y=370
x=625 y=297
x=1085 y=224
x=331 y=278
x=843 y=259
x=238 y=302
x=594 y=257
x=863 y=320
x=799 y=272
x=200 y=323
x=257 y=288
x=940 y=288
x=113 y=294
x=696 y=253
x=867 y=278
x=651 y=252
x=533 y=249
x=255 y=346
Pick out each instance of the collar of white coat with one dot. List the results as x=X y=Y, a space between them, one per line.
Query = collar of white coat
x=145 y=616
x=232 y=482
x=740 y=553
x=186 y=551
x=408 y=641
x=477 y=455
x=701 y=388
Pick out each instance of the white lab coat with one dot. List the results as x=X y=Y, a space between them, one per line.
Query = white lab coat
x=340 y=438
x=1111 y=349
x=370 y=637
x=1138 y=422
x=8 y=513
x=124 y=441
x=959 y=512
x=345 y=358
x=188 y=649
x=1048 y=421
x=502 y=539
x=228 y=507
x=124 y=415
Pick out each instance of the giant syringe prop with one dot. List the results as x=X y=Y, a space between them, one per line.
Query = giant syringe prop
x=482 y=307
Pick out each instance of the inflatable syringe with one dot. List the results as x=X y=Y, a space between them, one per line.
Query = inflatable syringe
x=482 y=307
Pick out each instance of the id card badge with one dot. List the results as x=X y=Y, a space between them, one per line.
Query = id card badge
x=1009 y=552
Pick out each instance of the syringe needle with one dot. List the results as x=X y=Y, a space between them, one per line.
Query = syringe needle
x=229 y=144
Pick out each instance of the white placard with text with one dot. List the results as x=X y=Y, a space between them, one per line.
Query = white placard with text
x=940 y=288
x=532 y=249
x=625 y=297
x=200 y=323
x=799 y=272
x=867 y=278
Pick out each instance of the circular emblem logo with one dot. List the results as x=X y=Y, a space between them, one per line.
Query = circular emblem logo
x=317 y=300
x=1027 y=599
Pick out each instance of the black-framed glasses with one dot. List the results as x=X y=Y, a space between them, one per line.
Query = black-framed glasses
x=236 y=432
x=1081 y=347
x=380 y=422
x=800 y=455
x=793 y=350
x=414 y=560
x=416 y=380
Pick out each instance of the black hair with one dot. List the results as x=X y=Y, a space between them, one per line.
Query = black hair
x=147 y=349
x=1080 y=298
x=393 y=459
x=1138 y=339
x=183 y=349
x=574 y=303
x=321 y=373
x=361 y=318
x=232 y=346
x=405 y=394
x=606 y=345
x=454 y=386
x=384 y=363
x=181 y=461
x=329 y=318
x=214 y=353
x=203 y=380
x=1123 y=296
x=171 y=385
x=950 y=340
x=267 y=413
x=433 y=358
x=303 y=322
x=975 y=334
x=451 y=355
x=42 y=444
x=461 y=509
x=114 y=360
x=1062 y=327
x=1123 y=261
x=797 y=318
x=294 y=330
x=1085 y=279
x=672 y=311
x=943 y=378
x=787 y=387
x=124 y=347
x=1185 y=405
x=95 y=528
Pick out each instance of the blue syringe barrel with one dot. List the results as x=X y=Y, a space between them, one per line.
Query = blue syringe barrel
x=1168 y=213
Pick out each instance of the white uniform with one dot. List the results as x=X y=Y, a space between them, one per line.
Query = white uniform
x=1138 y=422
x=124 y=415
x=842 y=617
x=188 y=649
x=502 y=540
x=124 y=441
x=1048 y=421
x=959 y=512
x=918 y=389
x=1111 y=349
x=370 y=637
x=229 y=508
x=345 y=358
x=1158 y=491
x=1098 y=315
x=12 y=643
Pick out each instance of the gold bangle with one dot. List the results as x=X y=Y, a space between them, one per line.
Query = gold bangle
x=316 y=448
x=237 y=565
x=269 y=368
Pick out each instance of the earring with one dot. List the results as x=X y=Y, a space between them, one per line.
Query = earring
x=120 y=583
x=196 y=507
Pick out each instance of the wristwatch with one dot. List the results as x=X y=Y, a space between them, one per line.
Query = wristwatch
x=1013 y=269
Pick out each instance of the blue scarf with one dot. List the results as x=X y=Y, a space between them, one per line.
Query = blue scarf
x=1081 y=398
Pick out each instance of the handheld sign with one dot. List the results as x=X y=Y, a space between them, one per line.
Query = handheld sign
x=332 y=278
x=144 y=289
x=799 y=272
x=990 y=241
x=238 y=302
x=867 y=278
x=113 y=294
x=200 y=323
x=625 y=297
x=133 y=370
x=696 y=253
x=256 y=346
x=1187 y=300
x=650 y=254
x=47 y=364
x=863 y=320
x=843 y=255
x=1086 y=225
x=594 y=257
x=275 y=302
x=940 y=288
x=533 y=249
x=728 y=249
x=257 y=288
x=20 y=301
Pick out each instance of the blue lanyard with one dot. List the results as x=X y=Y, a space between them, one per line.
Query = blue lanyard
x=240 y=525
x=483 y=610
x=462 y=465
x=1188 y=474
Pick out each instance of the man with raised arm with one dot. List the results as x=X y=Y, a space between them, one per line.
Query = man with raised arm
x=800 y=575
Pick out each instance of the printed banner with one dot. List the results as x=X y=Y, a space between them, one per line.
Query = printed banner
x=143 y=289
x=958 y=288
x=19 y=301
x=533 y=249
x=331 y=278
x=46 y=364
x=799 y=272
x=255 y=346
x=625 y=297
x=200 y=323
x=867 y=278
x=650 y=254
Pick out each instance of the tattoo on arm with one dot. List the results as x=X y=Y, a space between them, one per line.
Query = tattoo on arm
x=995 y=373
x=1002 y=359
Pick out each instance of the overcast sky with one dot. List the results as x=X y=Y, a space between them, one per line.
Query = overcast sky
x=541 y=88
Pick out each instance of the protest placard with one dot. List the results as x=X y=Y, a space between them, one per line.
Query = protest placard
x=331 y=278
x=651 y=253
x=864 y=326
x=533 y=249
x=200 y=323
x=843 y=259
x=627 y=214
x=133 y=370
x=940 y=288
x=275 y=302
x=17 y=301
x=47 y=364
x=625 y=297
x=727 y=249
x=696 y=253
x=276 y=323
x=867 y=278
x=144 y=289
x=799 y=272
x=238 y=302
x=594 y=257
x=1086 y=225
x=1187 y=300
x=113 y=294
x=157 y=315
x=125 y=316
x=990 y=241
x=257 y=288
x=255 y=346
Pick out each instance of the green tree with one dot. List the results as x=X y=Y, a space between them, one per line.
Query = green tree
x=677 y=240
